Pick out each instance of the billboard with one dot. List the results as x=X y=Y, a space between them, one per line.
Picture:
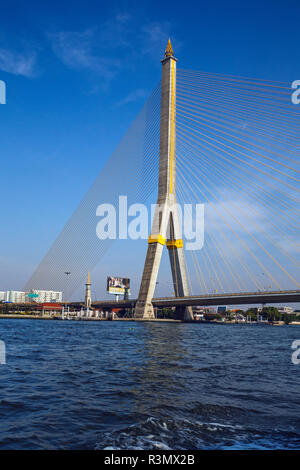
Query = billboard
x=118 y=285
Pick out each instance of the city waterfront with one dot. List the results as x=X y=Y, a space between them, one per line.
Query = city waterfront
x=146 y=385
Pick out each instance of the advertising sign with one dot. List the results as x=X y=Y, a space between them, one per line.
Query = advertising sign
x=118 y=285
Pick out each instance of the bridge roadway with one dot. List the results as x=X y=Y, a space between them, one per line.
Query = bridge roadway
x=241 y=298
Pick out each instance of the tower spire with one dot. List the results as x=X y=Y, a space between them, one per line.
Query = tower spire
x=88 y=293
x=169 y=49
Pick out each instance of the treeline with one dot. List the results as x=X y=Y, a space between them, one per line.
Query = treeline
x=268 y=313
x=271 y=314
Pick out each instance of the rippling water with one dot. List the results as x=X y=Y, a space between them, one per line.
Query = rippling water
x=125 y=385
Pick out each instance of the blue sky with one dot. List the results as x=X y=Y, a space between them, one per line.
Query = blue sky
x=77 y=74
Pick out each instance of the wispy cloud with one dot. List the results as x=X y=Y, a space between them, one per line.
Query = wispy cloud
x=135 y=95
x=18 y=64
x=105 y=50
x=155 y=37
x=99 y=50
x=76 y=50
x=116 y=32
x=115 y=45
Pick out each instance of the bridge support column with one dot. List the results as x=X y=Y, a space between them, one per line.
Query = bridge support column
x=165 y=228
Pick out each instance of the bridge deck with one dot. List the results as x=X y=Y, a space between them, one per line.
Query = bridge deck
x=239 y=298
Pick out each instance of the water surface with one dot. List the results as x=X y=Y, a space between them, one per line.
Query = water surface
x=128 y=385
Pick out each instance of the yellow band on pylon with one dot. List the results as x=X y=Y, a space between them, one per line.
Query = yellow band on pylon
x=175 y=243
x=157 y=239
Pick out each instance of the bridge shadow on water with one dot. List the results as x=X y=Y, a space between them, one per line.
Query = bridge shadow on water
x=159 y=381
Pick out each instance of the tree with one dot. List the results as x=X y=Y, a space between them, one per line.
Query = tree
x=271 y=313
x=166 y=312
x=252 y=313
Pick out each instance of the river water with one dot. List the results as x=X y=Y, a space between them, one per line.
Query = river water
x=129 y=385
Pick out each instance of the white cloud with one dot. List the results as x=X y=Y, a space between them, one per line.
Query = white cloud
x=18 y=64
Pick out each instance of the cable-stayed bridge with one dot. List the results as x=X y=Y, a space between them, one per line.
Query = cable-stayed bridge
x=229 y=143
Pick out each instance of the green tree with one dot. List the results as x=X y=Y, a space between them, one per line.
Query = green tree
x=271 y=313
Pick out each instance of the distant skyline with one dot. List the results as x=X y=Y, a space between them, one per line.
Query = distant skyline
x=77 y=75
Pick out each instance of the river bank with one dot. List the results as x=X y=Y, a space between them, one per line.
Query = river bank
x=156 y=320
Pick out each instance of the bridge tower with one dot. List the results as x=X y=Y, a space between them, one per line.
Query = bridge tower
x=88 y=293
x=166 y=228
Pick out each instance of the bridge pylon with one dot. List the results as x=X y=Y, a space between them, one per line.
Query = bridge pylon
x=166 y=228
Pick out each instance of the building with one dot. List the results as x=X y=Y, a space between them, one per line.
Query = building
x=198 y=316
x=16 y=297
x=40 y=296
x=200 y=310
x=48 y=308
x=222 y=310
x=287 y=310
x=44 y=296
